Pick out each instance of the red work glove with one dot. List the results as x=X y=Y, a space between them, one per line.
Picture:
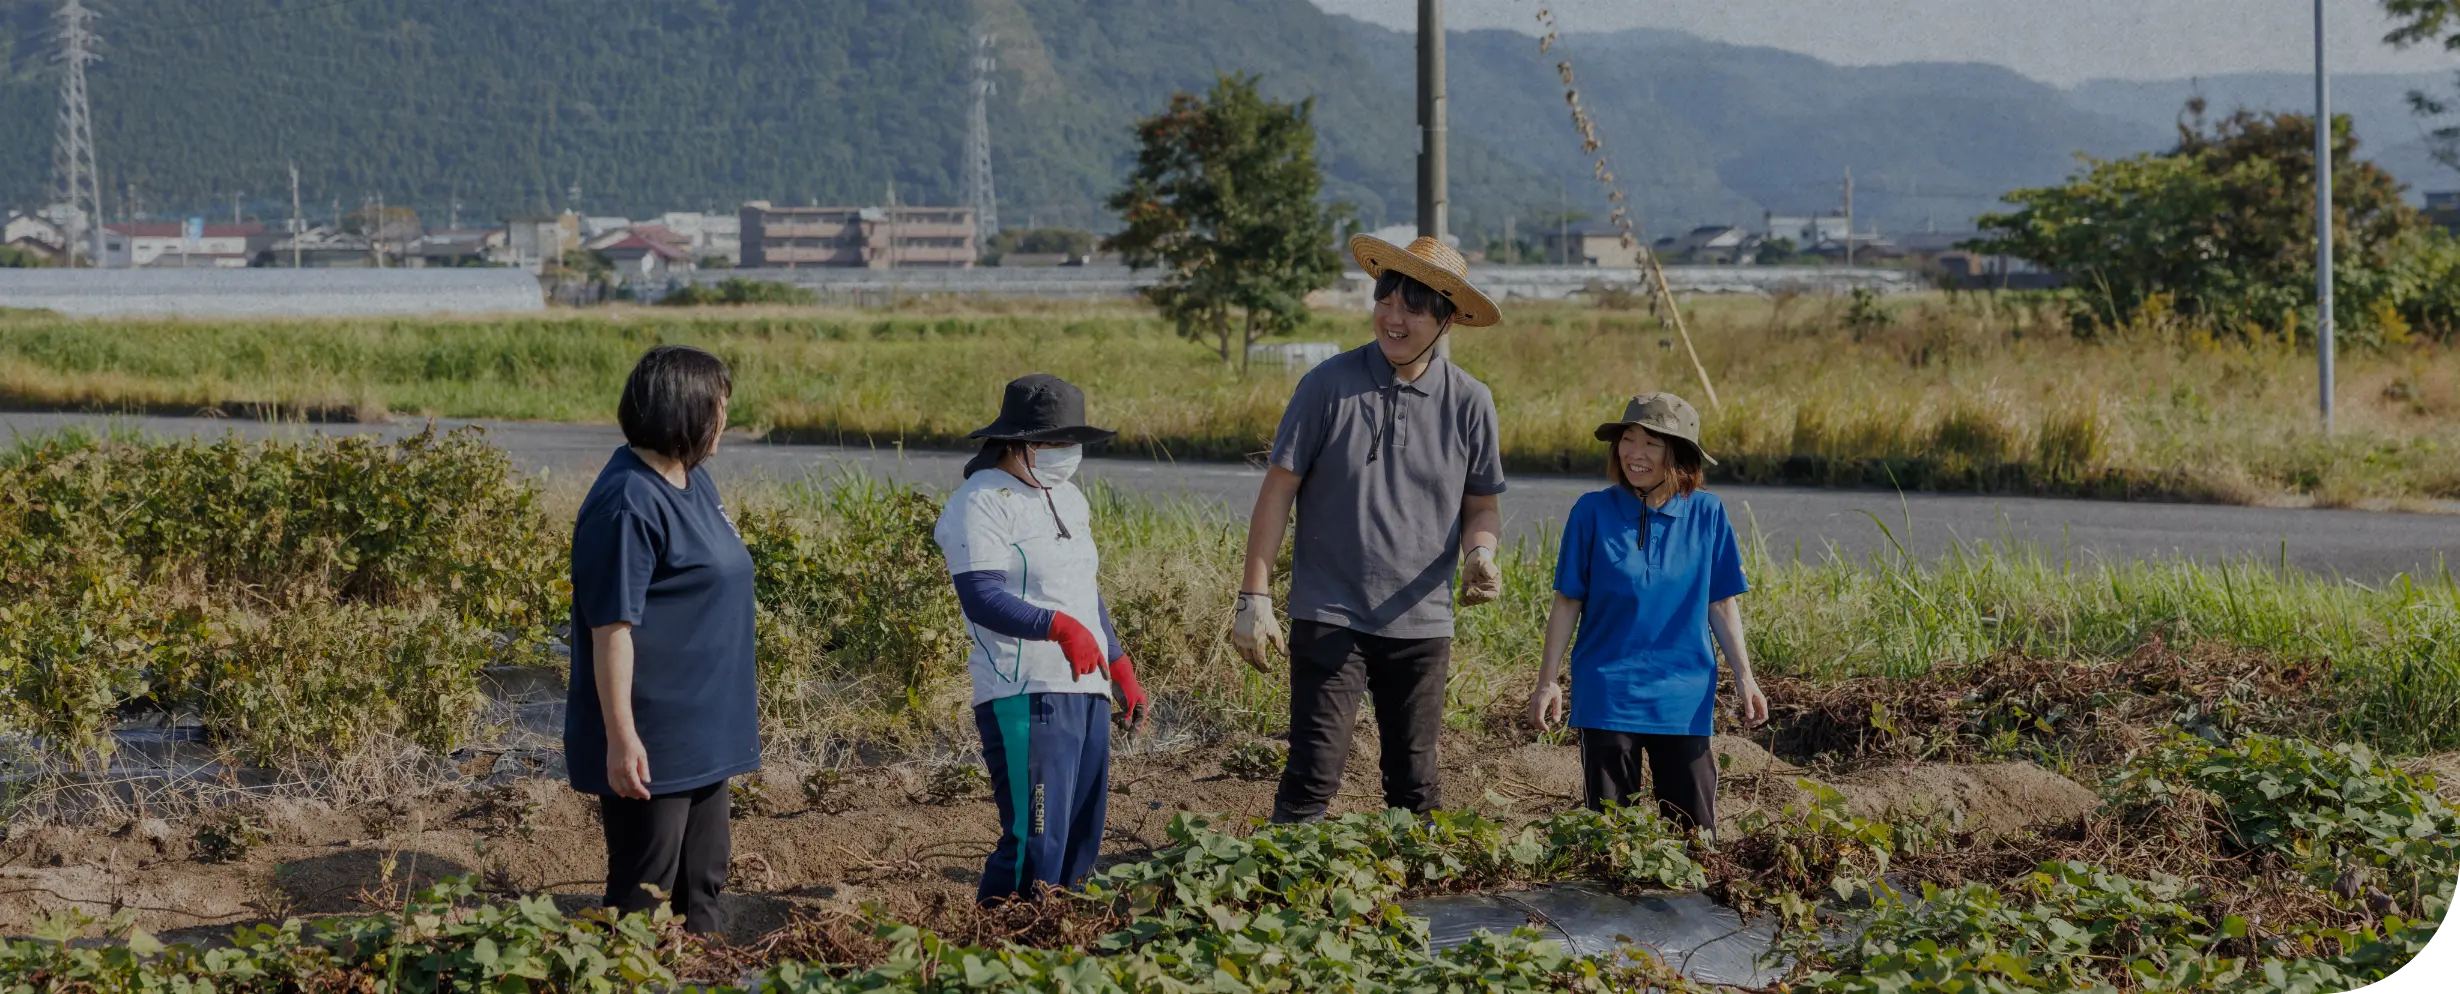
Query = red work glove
x=1133 y=704
x=1083 y=650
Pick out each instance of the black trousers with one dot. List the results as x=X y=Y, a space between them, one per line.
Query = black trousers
x=678 y=843
x=1682 y=773
x=1329 y=667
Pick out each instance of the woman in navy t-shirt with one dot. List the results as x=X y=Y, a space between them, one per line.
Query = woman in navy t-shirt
x=662 y=707
x=1649 y=568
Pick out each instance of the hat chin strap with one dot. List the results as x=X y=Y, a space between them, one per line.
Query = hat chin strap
x=1440 y=331
x=1375 y=442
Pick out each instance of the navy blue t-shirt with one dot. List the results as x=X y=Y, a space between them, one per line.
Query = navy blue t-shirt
x=670 y=562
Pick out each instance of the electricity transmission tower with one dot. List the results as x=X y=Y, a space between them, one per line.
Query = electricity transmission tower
x=978 y=190
x=72 y=156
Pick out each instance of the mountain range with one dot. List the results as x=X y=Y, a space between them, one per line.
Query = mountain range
x=507 y=108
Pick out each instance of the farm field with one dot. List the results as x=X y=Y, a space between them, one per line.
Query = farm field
x=1928 y=393
x=250 y=682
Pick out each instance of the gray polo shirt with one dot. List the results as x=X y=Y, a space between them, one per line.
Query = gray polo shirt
x=1379 y=503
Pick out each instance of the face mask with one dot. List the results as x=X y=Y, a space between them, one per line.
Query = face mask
x=1056 y=466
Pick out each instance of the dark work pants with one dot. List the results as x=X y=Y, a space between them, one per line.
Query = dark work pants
x=1682 y=773
x=678 y=843
x=1049 y=760
x=1329 y=666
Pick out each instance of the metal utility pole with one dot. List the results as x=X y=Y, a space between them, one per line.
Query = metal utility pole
x=2323 y=227
x=978 y=190
x=79 y=181
x=297 y=225
x=1434 y=203
x=1849 y=212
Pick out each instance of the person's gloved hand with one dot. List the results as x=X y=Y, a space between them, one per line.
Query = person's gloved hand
x=1083 y=650
x=1133 y=705
x=1254 y=630
x=1481 y=579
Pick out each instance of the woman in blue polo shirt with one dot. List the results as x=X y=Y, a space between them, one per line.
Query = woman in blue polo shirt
x=1649 y=569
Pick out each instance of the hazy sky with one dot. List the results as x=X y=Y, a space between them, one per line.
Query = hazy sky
x=2058 y=41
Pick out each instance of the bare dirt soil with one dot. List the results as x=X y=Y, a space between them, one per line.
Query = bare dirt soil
x=874 y=834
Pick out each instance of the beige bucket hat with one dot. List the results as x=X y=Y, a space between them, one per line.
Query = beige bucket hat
x=1662 y=413
x=1428 y=260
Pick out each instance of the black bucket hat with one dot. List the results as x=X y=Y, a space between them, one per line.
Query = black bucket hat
x=1042 y=408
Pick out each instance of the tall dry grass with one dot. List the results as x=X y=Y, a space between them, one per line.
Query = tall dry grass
x=1970 y=393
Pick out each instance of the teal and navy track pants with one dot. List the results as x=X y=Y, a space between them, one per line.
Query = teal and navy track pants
x=1049 y=760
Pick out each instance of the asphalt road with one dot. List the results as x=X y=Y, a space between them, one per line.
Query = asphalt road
x=2363 y=545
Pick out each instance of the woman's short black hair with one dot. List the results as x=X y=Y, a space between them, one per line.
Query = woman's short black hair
x=671 y=400
x=1416 y=297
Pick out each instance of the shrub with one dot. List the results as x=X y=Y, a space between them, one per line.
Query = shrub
x=300 y=596
x=329 y=677
x=737 y=290
x=853 y=590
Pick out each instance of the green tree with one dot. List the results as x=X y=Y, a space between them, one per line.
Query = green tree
x=2221 y=228
x=1226 y=198
x=1776 y=252
x=1070 y=242
x=2423 y=22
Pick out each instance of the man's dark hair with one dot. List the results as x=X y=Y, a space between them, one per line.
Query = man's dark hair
x=1416 y=297
x=670 y=402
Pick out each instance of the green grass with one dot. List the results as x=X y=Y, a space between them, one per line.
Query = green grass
x=1974 y=393
x=2393 y=649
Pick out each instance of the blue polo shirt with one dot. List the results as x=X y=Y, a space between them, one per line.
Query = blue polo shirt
x=1642 y=661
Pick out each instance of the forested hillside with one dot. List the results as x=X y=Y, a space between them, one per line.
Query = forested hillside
x=700 y=104
x=669 y=105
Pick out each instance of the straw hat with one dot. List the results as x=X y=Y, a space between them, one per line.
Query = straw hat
x=1428 y=260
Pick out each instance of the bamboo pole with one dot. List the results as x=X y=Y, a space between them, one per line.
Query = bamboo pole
x=1665 y=297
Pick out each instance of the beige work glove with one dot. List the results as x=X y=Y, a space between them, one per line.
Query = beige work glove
x=1481 y=579
x=1254 y=631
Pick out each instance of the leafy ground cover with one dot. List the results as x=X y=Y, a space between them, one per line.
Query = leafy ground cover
x=1975 y=392
x=2273 y=830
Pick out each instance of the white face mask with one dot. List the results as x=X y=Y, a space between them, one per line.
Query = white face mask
x=1053 y=467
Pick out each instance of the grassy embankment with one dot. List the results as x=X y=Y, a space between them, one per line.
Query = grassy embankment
x=1964 y=394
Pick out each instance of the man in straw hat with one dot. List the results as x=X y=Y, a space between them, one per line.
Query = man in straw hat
x=1389 y=454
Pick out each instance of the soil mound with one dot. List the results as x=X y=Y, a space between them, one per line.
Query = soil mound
x=1988 y=798
x=1741 y=757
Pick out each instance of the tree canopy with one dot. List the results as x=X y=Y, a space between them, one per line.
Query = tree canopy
x=2221 y=229
x=2430 y=22
x=1226 y=197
